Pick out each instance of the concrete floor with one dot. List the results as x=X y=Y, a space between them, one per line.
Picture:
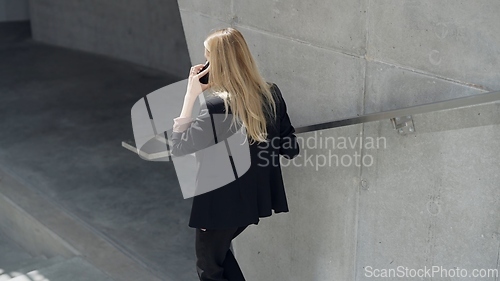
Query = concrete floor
x=63 y=116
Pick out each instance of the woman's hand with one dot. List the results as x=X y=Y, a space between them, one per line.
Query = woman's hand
x=194 y=87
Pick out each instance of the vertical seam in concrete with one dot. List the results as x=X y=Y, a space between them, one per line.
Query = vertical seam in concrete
x=367 y=27
x=356 y=212
x=233 y=16
x=366 y=52
x=361 y=136
x=360 y=174
x=498 y=261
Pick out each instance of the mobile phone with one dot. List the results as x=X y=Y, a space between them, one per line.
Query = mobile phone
x=204 y=79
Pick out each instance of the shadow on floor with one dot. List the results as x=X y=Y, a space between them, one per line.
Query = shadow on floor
x=63 y=116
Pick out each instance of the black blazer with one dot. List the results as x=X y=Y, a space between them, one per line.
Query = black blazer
x=255 y=193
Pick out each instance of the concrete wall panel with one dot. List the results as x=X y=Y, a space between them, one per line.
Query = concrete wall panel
x=338 y=25
x=431 y=198
x=422 y=202
x=218 y=9
x=14 y=10
x=457 y=40
x=144 y=32
x=316 y=239
x=336 y=90
x=197 y=27
x=389 y=87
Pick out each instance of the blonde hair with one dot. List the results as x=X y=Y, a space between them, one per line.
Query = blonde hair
x=234 y=72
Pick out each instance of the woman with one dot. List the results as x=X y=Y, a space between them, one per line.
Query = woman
x=237 y=88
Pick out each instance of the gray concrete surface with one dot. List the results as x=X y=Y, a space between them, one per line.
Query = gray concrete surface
x=12 y=254
x=452 y=40
x=146 y=32
x=427 y=199
x=432 y=197
x=14 y=10
x=338 y=59
x=27 y=231
x=76 y=268
x=17 y=264
x=44 y=228
x=332 y=52
x=29 y=265
x=63 y=116
x=316 y=240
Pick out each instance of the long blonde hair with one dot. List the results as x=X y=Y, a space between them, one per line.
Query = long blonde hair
x=234 y=72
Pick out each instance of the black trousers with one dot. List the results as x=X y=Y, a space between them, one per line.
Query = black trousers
x=215 y=260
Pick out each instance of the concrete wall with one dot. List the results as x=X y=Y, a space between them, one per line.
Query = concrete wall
x=147 y=32
x=14 y=10
x=428 y=199
x=421 y=200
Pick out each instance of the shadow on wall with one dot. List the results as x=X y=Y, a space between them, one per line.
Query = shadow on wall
x=135 y=32
x=14 y=10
